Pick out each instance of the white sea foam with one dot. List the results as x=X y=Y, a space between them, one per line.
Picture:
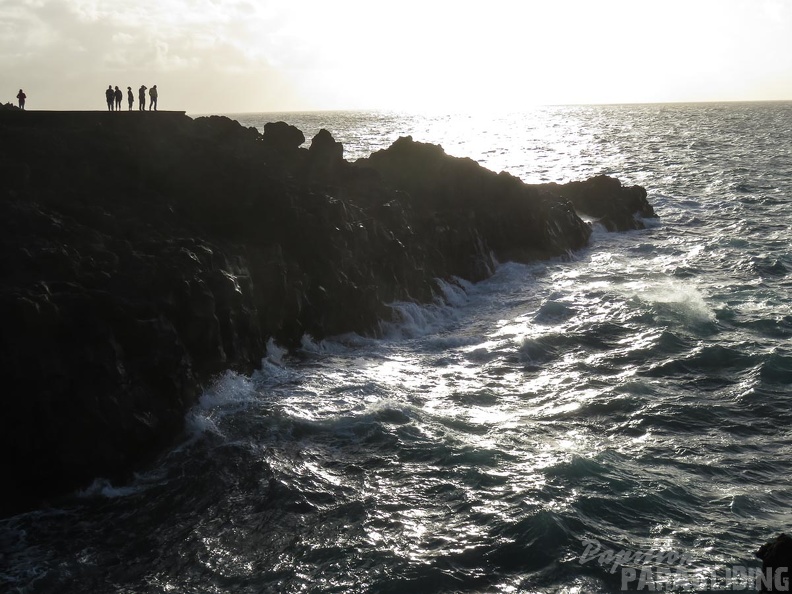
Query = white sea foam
x=229 y=393
x=230 y=388
x=275 y=352
x=412 y=320
x=455 y=293
x=661 y=407
x=329 y=346
x=104 y=488
x=681 y=297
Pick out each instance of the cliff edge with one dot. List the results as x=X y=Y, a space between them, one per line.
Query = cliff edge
x=142 y=254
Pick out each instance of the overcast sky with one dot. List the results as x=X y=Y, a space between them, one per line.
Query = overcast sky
x=228 y=56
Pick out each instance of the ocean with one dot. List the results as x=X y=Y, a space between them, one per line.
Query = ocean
x=571 y=426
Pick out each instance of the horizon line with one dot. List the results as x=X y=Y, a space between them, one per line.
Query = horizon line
x=494 y=110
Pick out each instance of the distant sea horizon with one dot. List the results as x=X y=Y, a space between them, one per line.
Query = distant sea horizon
x=634 y=395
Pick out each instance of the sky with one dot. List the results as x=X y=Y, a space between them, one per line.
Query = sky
x=236 y=56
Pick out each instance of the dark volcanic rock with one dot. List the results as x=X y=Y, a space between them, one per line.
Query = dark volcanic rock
x=282 y=136
x=776 y=556
x=325 y=161
x=602 y=197
x=142 y=254
x=515 y=220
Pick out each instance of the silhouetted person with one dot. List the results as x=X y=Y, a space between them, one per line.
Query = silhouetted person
x=110 y=96
x=119 y=97
x=142 y=98
x=21 y=98
x=153 y=98
x=130 y=97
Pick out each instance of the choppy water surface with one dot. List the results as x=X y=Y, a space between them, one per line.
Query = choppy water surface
x=637 y=395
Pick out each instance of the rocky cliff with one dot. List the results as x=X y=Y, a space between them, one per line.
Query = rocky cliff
x=141 y=254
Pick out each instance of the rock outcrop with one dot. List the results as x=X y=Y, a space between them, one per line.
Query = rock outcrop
x=776 y=556
x=604 y=199
x=142 y=254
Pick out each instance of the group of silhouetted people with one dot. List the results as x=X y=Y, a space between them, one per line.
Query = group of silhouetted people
x=116 y=96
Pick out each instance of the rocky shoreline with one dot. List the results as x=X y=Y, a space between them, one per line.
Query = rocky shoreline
x=143 y=254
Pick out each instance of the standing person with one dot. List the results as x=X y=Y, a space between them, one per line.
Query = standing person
x=119 y=97
x=110 y=96
x=130 y=97
x=142 y=98
x=21 y=98
x=153 y=98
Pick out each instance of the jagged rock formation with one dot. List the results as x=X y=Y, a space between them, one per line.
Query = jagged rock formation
x=776 y=556
x=604 y=198
x=141 y=254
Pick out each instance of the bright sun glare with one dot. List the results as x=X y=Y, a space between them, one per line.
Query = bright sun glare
x=472 y=55
x=227 y=55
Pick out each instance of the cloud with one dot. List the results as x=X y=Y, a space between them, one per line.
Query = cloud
x=67 y=51
x=240 y=55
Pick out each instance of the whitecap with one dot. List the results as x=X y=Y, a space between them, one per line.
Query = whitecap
x=682 y=298
x=412 y=320
x=102 y=487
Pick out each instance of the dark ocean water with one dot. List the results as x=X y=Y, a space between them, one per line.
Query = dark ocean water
x=632 y=401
